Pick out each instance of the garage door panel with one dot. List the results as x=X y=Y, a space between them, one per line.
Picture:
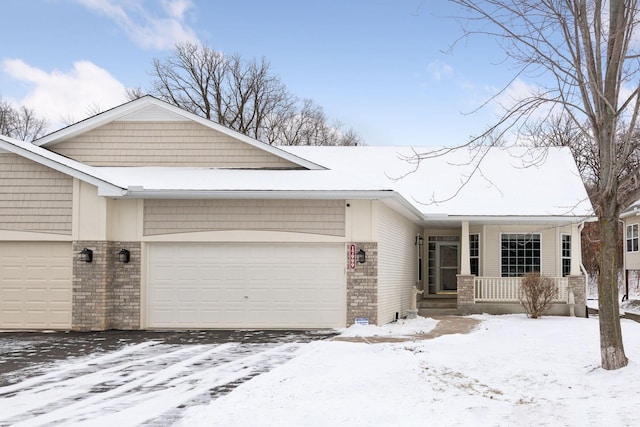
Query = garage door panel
x=35 y=285
x=247 y=285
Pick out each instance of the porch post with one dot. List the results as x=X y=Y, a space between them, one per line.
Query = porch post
x=576 y=254
x=465 y=264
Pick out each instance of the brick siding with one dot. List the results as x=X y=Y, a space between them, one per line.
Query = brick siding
x=106 y=292
x=362 y=286
x=465 y=290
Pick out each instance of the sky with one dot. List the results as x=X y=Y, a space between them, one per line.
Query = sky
x=381 y=67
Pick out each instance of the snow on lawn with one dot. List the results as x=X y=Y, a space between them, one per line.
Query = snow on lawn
x=510 y=371
x=402 y=328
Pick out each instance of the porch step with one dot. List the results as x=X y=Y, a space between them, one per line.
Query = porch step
x=429 y=312
x=438 y=303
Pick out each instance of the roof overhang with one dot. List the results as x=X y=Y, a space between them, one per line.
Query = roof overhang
x=140 y=193
x=443 y=220
x=632 y=211
x=61 y=164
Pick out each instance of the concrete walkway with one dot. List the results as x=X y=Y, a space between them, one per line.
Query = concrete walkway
x=446 y=325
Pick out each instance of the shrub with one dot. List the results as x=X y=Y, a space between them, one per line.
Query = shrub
x=537 y=292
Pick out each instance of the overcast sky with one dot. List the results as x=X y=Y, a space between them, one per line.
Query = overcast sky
x=381 y=67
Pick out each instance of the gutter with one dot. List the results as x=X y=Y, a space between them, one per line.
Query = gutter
x=495 y=218
x=140 y=193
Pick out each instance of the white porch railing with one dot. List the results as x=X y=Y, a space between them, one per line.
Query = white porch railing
x=507 y=289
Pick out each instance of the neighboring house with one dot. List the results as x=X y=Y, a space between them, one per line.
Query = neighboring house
x=146 y=216
x=631 y=254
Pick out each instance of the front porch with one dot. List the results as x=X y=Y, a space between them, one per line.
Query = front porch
x=475 y=267
x=499 y=295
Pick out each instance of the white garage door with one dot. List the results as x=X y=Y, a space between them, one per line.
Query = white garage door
x=246 y=285
x=35 y=285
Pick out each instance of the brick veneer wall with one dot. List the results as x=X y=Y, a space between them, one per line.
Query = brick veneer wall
x=90 y=287
x=362 y=286
x=124 y=292
x=106 y=292
x=465 y=290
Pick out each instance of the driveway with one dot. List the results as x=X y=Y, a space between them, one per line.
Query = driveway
x=130 y=377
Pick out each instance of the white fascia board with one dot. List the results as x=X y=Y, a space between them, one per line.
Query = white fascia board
x=51 y=162
x=633 y=211
x=141 y=103
x=480 y=219
x=138 y=193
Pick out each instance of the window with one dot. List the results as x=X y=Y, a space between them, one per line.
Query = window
x=474 y=253
x=566 y=254
x=431 y=270
x=520 y=254
x=632 y=238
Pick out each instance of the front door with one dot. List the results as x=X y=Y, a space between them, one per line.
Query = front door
x=447 y=261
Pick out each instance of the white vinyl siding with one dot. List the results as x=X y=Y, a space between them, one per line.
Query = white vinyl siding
x=325 y=217
x=632 y=259
x=35 y=285
x=34 y=197
x=397 y=263
x=246 y=285
x=171 y=143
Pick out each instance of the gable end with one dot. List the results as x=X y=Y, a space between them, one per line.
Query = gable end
x=169 y=143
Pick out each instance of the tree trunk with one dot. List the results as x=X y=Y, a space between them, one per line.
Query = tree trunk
x=611 y=346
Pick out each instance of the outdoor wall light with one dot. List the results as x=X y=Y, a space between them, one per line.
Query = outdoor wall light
x=124 y=256
x=362 y=256
x=419 y=240
x=86 y=255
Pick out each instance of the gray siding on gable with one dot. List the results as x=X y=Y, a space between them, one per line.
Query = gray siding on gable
x=34 y=197
x=325 y=217
x=186 y=144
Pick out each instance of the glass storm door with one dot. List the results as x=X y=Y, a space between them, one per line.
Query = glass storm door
x=447 y=253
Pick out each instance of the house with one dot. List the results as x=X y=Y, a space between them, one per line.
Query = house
x=147 y=216
x=630 y=218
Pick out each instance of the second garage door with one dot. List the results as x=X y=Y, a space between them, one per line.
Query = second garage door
x=35 y=285
x=193 y=285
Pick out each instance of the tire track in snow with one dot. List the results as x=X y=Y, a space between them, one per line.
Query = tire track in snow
x=152 y=379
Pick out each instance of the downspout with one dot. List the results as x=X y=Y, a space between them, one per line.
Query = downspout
x=624 y=262
x=584 y=271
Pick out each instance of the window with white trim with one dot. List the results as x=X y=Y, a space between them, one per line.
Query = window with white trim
x=632 y=238
x=565 y=253
x=474 y=254
x=520 y=254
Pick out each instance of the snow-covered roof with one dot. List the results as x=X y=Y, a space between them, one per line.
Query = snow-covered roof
x=632 y=210
x=498 y=183
x=455 y=184
x=467 y=182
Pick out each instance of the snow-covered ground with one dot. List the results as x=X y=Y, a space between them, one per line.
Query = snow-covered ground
x=510 y=371
x=147 y=383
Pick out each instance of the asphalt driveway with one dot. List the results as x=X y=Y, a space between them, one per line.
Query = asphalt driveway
x=135 y=376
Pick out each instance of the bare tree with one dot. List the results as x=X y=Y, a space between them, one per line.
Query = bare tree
x=586 y=62
x=134 y=93
x=242 y=95
x=20 y=123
